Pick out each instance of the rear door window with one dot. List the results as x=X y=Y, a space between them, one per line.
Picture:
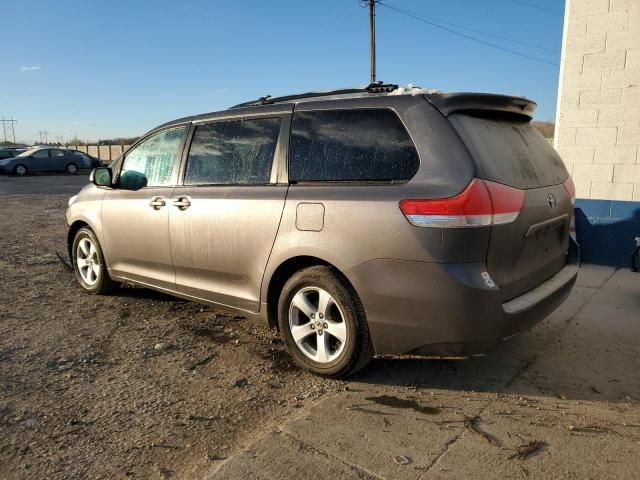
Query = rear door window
x=233 y=152
x=359 y=145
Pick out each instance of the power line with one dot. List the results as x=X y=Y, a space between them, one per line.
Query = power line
x=506 y=39
x=539 y=7
x=469 y=37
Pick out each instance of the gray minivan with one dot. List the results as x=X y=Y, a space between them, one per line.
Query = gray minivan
x=358 y=222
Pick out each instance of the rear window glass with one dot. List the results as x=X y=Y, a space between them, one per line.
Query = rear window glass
x=237 y=152
x=511 y=152
x=350 y=145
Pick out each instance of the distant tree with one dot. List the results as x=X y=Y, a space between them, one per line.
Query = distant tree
x=545 y=128
x=118 y=141
x=77 y=141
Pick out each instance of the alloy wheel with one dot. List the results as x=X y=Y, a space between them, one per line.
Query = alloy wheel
x=88 y=262
x=317 y=324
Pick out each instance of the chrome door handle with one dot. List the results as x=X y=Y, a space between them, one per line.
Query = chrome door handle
x=182 y=203
x=157 y=203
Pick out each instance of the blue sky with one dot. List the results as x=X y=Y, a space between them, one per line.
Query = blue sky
x=101 y=69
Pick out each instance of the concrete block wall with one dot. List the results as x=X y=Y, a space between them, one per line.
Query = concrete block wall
x=598 y=115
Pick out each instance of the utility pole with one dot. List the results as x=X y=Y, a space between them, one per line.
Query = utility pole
x=43 y=136
x=8 y=126
x=372 y=38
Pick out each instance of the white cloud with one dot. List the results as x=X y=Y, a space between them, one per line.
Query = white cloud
x=32 y=68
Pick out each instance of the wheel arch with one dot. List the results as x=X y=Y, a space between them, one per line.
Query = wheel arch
x=284 y=272
x=71 y=234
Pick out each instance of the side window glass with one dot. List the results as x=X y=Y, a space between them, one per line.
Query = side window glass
x=154 y=158
x=56 y=153
x=235 y=152
x=351 y=145
x=41 y=154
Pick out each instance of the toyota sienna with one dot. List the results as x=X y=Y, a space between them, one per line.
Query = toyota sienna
x=358 y=222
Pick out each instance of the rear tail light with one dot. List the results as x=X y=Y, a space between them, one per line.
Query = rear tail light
x=571 y=191
x=482 y=203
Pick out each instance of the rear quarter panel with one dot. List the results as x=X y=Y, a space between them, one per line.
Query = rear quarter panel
x=363 y=222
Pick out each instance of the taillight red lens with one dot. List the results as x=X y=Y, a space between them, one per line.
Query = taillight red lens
x=571 y=189
x=482 y=203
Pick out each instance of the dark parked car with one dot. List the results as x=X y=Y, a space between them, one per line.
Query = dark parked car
x=95 y=162
x=358 y=222
x=48 y=159
x=10 y=152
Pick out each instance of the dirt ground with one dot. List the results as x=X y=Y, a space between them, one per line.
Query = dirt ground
x=143 y=385
x=138 y=384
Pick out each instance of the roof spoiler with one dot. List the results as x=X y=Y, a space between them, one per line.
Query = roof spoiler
x=449 y=103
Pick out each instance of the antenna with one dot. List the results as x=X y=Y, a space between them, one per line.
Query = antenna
x=8 y=126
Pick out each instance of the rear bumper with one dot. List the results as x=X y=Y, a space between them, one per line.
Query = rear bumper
x=449 y=309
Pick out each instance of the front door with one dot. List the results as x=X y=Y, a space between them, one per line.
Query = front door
x=225 y=216
x=38 y=161
x=135 y=214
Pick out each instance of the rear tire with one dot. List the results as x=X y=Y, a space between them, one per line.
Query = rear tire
x=71 y=169
x=323 y=312
x=89 y=265
x=20 y=170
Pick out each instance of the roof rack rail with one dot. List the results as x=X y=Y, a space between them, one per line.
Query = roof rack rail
x=375 y=87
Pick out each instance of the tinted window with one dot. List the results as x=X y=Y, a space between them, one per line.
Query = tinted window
x=79 y=154
x=233 y=152
x=350 y=145
x=154 y=157
x=40 y=154
x=56 y=153
x=511 y=152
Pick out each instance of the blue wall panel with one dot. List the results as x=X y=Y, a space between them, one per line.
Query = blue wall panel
x=606 y=230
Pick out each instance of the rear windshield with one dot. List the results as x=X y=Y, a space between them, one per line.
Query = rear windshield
x=511 y=152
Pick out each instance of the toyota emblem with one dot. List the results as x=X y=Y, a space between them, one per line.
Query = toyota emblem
x=551 y=200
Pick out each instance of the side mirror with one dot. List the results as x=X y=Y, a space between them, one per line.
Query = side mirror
x=132 y=180
x=101 y=177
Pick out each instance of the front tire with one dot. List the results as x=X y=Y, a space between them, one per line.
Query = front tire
x=89 y=264
x=323 y=323
x=20 y=170
x=71 y=169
